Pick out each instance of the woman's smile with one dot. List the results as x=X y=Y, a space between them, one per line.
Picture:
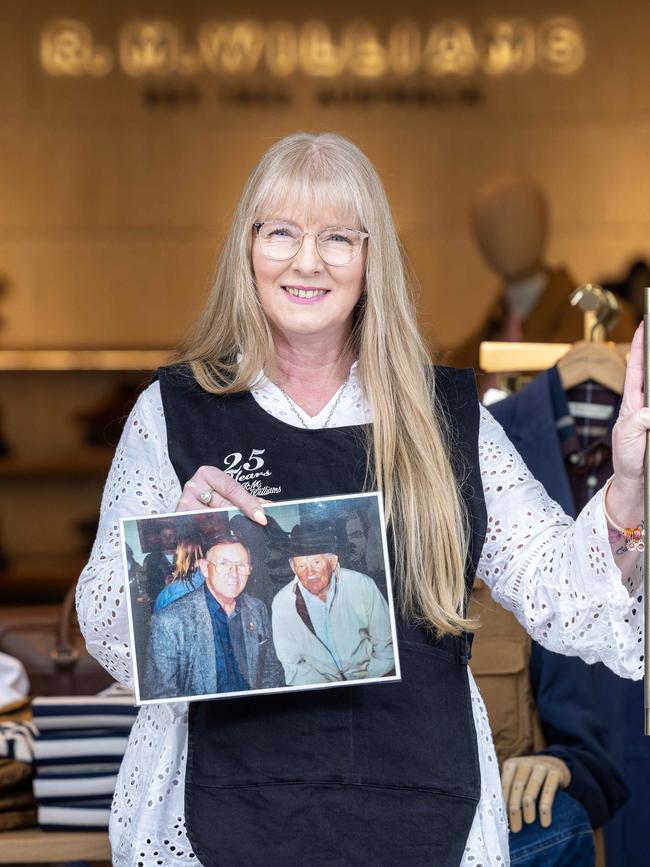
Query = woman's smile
x=305 y=294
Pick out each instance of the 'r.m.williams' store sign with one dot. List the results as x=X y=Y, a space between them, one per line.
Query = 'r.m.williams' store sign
x=281 y=49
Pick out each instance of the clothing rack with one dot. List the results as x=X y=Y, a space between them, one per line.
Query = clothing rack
x=600 y=309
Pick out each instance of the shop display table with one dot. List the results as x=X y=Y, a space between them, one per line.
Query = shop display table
x=33 y=846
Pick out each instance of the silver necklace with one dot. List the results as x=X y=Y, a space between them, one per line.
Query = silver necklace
x=294 y=408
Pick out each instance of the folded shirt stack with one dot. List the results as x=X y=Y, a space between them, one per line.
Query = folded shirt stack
x=78 y=749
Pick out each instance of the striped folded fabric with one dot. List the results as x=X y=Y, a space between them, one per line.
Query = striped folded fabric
x=78 y=746
x=54 y=783
x=86 y=711
x=87 y=814
x=83 y=746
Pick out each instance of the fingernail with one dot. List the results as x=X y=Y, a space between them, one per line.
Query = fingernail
x=260 y=517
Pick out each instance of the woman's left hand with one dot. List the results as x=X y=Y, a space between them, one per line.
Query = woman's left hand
x=625 y=495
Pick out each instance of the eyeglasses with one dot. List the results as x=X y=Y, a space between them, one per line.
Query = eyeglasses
x=336 y=245
x=229 y=565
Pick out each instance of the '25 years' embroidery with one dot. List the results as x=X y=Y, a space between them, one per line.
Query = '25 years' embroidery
x=251 y=473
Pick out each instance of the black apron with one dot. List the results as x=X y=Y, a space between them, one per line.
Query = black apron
x=382 y=774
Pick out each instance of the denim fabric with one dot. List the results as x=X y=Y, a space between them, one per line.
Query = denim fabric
x=569 y=842
x=176 y=589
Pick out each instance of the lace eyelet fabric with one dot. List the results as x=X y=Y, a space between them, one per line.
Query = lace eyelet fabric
x=557 y=576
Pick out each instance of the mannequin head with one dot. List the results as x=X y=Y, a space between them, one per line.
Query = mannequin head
x=509 y=218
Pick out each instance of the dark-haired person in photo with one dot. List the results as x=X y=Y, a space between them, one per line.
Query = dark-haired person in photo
x=329 y=624
x=356 y=531
x=159 y=564
x=215 y=639
x=267 y=546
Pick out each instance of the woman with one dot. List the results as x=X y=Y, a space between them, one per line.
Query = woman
x=186 y=575
x=307 y=376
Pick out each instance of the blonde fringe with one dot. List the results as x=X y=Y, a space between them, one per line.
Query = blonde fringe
x=408 y=440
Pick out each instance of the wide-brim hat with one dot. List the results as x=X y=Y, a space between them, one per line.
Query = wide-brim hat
x=309 y=539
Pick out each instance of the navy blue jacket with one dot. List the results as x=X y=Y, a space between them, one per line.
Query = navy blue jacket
x=566 y=689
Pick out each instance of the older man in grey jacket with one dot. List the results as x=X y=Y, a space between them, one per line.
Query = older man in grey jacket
x=215 y=639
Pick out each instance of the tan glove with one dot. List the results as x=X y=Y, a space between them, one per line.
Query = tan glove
x=526 y=779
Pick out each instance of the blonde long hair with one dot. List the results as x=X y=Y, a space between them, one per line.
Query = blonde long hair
x=407 y=440
x=189 y=553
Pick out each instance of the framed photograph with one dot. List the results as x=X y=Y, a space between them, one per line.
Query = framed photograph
x=220 y=606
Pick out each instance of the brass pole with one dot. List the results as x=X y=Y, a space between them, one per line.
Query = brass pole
x=646 y=479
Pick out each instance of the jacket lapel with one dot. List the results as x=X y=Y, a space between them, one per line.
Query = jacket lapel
x=252 y=646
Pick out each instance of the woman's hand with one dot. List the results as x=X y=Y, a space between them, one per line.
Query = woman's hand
x=625 y=495
x=211 y=487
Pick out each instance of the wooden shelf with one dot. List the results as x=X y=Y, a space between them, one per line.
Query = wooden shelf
x=504 y=357
x=32 y=845
x=91 y=464
x=82 y=359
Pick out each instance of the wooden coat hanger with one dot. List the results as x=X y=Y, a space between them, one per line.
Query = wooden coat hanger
x=591 y=358
x=602 y=362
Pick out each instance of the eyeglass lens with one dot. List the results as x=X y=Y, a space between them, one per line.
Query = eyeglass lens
x=224 y=565
x=335 y=245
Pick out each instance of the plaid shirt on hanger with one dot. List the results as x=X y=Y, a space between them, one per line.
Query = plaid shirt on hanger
x=585 y=416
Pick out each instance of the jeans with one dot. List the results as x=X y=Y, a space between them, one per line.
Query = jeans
x=568 y=842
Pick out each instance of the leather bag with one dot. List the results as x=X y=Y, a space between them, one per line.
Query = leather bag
x=48 y=642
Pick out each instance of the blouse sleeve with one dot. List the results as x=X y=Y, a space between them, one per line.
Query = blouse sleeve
x=141 y=482
x=556 y=575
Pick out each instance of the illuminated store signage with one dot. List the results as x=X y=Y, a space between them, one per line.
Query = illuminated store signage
x=280 y=49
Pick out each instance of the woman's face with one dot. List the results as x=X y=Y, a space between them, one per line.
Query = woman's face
x=280 y=285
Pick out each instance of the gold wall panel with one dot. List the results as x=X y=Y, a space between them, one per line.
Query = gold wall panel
x=127 y=132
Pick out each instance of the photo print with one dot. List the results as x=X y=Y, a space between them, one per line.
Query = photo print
x=220 y=606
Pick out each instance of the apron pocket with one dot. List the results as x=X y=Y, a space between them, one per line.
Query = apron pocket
x=273 y=738
x=325 y=826
x=419 y=733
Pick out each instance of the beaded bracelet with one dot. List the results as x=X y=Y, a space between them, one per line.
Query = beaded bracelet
x=633 y=537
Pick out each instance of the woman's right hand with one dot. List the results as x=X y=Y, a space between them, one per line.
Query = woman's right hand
x=224 y=491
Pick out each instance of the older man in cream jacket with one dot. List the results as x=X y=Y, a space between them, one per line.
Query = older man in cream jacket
x=329 y=623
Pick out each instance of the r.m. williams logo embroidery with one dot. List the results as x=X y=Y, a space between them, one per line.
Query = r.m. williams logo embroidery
x=252 y=473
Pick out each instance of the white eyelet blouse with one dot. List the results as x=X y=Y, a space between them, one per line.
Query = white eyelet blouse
x=557 y=576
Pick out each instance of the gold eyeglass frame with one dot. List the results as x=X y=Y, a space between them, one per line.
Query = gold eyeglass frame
x=362 y=235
